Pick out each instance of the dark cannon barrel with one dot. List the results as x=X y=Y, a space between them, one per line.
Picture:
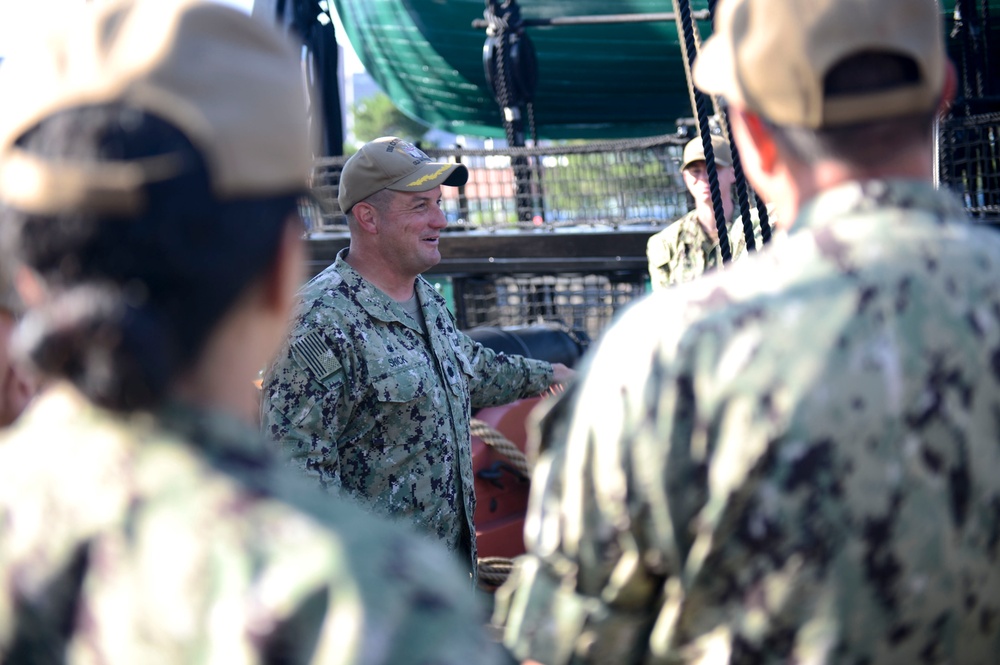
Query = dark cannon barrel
x=552 y=342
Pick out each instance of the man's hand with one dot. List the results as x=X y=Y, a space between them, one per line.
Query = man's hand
x=561 y=375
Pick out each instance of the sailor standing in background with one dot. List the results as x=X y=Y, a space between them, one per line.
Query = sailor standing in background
x=689 y=247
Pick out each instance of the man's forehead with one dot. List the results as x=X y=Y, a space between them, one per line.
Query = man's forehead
x=432 y=194
x=701 y=164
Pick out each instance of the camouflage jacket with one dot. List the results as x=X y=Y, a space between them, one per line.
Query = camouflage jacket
x=795 y=460
x=182 y=538
x=362 y=400
x=683 y=251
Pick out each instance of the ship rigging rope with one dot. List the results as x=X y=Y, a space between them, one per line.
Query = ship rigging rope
x=682 y=12
x=690 y=45
x=509 y=62
x=742 y=191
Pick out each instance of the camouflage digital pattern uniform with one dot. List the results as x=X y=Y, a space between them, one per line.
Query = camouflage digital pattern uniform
x=684 y=251
x=185 y=539
x=362 y=400
x=794 y=461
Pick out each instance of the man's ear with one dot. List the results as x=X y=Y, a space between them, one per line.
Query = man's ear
x=758 y=151
x=365 y=215
x=755 y=132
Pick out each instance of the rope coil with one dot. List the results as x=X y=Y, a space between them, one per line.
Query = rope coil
x=501 y=444
x=494 y=570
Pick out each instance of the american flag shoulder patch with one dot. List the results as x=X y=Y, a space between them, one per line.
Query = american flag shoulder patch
x=312 y=351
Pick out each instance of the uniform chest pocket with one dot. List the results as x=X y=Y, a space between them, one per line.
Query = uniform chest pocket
x=406 y=382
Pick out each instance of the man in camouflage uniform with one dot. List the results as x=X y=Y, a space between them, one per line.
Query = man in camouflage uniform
x=689 y=246
x=793 y=461
x=172 y=533
x=373 y=392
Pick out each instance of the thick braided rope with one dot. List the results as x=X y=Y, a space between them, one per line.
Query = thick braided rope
x=682 y=10
x=494 y=570
x=742 y=191
x=501 y=444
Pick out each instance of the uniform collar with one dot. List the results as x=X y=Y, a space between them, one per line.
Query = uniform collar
x=869 y=196
x=374 y=300
x=219 y=435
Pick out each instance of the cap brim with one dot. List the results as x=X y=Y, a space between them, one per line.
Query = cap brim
x=718 y=162
x=430 y=175
x=689 y=162
x=45 y=186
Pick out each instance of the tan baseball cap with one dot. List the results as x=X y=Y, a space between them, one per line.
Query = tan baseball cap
x=229 y=82
x=392 y=163
x=694 y=151
x=771 y=56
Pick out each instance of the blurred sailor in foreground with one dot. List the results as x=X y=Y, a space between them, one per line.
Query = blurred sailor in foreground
x=795 y=460
x=151 y=160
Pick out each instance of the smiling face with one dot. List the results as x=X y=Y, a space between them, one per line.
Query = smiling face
x=409 y=229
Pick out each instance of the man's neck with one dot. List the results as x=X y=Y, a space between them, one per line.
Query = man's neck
x=915 y=164
x=223 y=378
x=706 y=217
x=399 y=288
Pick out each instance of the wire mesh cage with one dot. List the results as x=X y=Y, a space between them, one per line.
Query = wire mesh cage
x=969 y=162
x=608 y=183
x=581 y=301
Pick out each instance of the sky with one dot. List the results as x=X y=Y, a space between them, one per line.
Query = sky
x=22 y=20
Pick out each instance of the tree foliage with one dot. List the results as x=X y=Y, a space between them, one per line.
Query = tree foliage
x=377 y=116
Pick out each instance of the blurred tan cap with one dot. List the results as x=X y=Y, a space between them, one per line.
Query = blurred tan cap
x=229 y=82
x=771 y=56
x=694 y=151
x=392 y=163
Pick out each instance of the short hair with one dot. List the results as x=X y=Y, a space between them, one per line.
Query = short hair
x=866 y=143
x=380 y=200
x=134 y=299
